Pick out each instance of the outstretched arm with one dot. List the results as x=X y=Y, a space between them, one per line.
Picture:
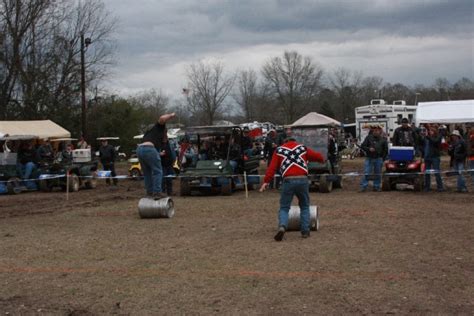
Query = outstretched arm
x=166 y=117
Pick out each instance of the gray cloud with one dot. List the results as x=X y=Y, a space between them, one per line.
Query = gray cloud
x=158 y=38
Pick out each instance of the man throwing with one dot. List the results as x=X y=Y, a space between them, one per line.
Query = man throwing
x=292 y=160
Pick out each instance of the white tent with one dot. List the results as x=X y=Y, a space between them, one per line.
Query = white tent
x=445 y=112
x=41 y=129
x=315 y=119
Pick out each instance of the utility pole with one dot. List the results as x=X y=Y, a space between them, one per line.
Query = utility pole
x=84 y=43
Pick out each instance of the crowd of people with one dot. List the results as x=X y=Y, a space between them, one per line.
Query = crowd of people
x=428 y=141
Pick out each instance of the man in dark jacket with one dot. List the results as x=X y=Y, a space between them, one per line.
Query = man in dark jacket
x=404 y=135
x=376 y=148
x=431 y=142
x=107 y=159
x=26 y=160
x=458 y=153
x=168 y=157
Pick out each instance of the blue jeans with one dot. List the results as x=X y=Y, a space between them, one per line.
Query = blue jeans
x=372 y=166
x=434 y=164
x=25 y=170
x=150 y=162
x=459 y=167
x=290 y=188
x=167 y=184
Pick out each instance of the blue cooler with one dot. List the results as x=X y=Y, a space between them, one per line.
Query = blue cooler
x=401 y=153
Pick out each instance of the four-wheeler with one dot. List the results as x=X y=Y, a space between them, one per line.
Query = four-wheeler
x=75 y=171
x=403 y=167
x=220 y=162
x=327 y=175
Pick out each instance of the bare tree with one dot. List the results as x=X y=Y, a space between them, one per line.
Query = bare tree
x=41 y=47
x=208 y=88
x=294 y=81
x=346 y=85
x=247 y=93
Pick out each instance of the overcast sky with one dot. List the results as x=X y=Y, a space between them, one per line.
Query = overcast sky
x=410 y=41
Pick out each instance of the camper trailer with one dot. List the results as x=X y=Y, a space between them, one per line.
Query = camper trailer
x=388 y=116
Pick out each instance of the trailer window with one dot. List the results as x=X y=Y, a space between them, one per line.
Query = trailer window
x=399 y=118
x=410 y=117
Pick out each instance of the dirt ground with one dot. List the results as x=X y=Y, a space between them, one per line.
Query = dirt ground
x=376 y=253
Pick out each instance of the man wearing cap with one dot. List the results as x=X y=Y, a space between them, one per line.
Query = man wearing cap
x=292 y=159
x=376 y=148
x=431 y=141
x=458 y=152
x=404 y=135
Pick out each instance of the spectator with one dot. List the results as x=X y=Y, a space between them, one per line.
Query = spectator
x=168 y=158
x=26 y=160
x=271 y=144
x=404 y=135
x=82 y=144
x=45 y=152
x=458 y=153
x=247 y=145
x=470 y=148
x=107 y=159
x=431 y=147
x=376 y=148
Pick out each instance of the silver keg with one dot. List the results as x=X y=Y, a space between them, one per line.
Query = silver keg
x=294 y=218
x=151 y=208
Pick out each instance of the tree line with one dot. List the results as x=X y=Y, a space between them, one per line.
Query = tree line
x=40 y=67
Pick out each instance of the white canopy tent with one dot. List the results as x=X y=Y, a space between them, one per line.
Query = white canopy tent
x=445 y=112
x=315 y=119
x=41 y=129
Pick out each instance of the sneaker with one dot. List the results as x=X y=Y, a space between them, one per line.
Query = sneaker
x=279 y=235
x=462 y=191
x=362 y=190
x=305 y=234
x=377 y=190
x=441 y=190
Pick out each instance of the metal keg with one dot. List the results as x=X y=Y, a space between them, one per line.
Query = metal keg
x=151 y=208
x=294 y=218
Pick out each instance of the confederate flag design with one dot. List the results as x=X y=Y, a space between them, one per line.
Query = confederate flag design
x=292 y=157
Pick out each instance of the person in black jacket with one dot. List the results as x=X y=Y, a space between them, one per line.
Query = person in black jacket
x=458 y=152
x=168 y=157
x=107 y=159
x=26 y=160
x=404 y=135
x=431 y=148
x=376 y=148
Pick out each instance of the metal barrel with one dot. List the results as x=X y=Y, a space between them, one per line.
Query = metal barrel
x=294 y=218
x=151 y=208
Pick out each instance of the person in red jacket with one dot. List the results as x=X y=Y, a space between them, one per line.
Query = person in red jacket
x=292 y=160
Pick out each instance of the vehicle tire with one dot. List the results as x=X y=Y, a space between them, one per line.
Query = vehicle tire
x=226 y=189
x=325 y=186
x=185 y=189
x=135 y=173
x=386 y=183
x=91 y=183
x=418 y=184
x=14 y=185
x=44 y=186
x=74 y=183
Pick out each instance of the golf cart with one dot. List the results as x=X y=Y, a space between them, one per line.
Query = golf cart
x=75 y=170
x=313 y=130
x=221 y=161
x=403 y=167
x=10 y=178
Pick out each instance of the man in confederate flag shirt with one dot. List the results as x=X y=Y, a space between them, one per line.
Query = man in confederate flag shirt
x=292 y=160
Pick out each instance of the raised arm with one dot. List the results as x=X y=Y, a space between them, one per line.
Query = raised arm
x=166 y=117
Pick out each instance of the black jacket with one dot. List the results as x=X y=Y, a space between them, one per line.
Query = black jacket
x=404 y=137
x=107 y=154
x=458 y=151
x=378 y=143
x=434 y=146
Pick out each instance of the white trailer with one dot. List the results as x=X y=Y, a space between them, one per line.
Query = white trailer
x=388 y=116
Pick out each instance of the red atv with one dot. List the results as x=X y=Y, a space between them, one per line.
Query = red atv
x=403 y=167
